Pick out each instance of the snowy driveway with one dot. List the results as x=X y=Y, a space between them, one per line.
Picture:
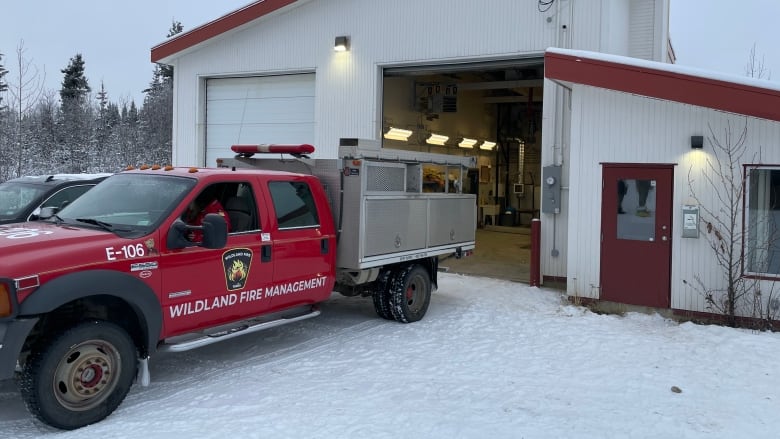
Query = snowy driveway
x=492 y=359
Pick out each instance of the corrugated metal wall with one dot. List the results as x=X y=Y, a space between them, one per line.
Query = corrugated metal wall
x=401 y=32
x=643 y=30
x=622 y=128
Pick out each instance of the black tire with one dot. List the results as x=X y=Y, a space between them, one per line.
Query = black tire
x=410 y=293
x=381 y=296
x=80 y=376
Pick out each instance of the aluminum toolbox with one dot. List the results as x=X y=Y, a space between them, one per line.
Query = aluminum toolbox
x=387 y=216
x=381 y=207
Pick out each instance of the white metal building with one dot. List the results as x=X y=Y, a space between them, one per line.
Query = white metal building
x=607 y=124
x=646 y=127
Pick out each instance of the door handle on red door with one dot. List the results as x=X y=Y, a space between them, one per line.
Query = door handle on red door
x=663 y=238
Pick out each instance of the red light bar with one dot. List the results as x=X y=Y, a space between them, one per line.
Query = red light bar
x=273 y=148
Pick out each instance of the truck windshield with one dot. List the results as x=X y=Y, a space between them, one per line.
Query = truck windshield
x=132 y=204
x=16 y=197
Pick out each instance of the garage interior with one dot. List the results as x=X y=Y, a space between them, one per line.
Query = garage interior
x=492 y=111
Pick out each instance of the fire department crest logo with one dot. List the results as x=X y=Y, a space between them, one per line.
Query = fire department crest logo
x=236 y=263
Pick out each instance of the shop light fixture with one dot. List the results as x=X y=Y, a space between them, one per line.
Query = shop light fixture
x=437 y=139
x=487 y=145
x=467 y=143
x=341 y=44
x=398 y=134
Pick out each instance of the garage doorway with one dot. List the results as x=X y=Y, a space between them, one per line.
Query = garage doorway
x=496 y=101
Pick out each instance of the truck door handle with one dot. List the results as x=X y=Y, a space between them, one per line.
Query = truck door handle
x=265 y=253
x=324 y=246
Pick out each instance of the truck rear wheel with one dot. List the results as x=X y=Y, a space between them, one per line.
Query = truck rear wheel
x=80 y=376
x=410 y=294
x=381 y=296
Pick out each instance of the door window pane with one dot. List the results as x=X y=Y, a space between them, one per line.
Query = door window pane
x=636 y=209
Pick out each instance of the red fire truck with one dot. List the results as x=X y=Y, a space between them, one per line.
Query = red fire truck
x=88 y=296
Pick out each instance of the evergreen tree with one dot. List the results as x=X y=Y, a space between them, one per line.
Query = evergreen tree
x=5 y=126
x=156 y=115
x=3 y=85
x=76 y=126
x=165 y=70
x=74 y=84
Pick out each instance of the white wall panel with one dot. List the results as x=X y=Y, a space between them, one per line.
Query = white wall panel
x=348 y=85
x=642 y=29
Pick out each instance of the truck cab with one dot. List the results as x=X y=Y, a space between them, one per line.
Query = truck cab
x=115 y=276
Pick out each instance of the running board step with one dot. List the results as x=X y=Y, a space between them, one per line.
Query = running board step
x=188 y=342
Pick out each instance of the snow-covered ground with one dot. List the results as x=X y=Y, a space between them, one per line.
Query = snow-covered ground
x=492 y=359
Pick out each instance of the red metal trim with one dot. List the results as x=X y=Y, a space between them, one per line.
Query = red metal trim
x=535 y=265
x=219 y=26
x=657 y=83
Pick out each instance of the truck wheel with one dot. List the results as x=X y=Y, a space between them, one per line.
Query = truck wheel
x=410 y=294
x=79 y=376
x=381 y=296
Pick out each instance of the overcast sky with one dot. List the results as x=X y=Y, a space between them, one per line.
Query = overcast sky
x=115 y=38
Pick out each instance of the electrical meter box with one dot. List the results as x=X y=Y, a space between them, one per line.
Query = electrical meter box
x=551 y=189
x=690 y=226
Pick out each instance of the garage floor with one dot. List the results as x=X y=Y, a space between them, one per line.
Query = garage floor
x=501 y=252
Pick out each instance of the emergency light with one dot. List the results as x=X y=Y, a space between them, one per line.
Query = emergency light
x=295 y=150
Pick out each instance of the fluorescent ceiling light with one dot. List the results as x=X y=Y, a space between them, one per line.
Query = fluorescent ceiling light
x=467 y=143
x=437 y=139
x=487 y=145
x=398 y=134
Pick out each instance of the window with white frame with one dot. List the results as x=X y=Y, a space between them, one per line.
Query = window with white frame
x=762 y=249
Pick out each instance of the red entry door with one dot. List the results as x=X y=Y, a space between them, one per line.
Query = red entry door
x=636 y=244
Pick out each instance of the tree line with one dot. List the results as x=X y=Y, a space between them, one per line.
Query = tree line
x=78 y=129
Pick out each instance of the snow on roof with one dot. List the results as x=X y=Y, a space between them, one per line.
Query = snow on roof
x=233 y=20
x=709 y=89
x=666 y=67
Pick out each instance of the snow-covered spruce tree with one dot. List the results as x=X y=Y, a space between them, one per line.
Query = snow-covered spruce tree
x=5 y=126
x=721 y=200
x=3 y=85
x=129 y=136
x=157 y=111
x=75 y=115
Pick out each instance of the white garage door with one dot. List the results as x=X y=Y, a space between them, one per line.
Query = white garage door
x=262 y=109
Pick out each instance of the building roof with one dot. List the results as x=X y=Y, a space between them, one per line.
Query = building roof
x=731 y=93
x=216 y=27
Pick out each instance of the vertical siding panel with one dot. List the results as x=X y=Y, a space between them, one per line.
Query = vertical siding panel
x=382 y=34
x=652 y=131
x=642 y=29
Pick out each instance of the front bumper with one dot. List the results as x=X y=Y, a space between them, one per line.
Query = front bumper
x=13 y=333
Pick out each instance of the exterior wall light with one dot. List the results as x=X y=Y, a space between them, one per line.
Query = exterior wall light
x=342 y=44
x=697 y=142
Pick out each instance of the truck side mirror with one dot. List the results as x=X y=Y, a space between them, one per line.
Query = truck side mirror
x=44 y=213
x=214 y=231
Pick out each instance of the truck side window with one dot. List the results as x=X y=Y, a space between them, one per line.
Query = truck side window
x=241 y=209
x=294 y=204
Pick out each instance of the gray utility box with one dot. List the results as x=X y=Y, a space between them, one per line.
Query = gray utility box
x=389 y=205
